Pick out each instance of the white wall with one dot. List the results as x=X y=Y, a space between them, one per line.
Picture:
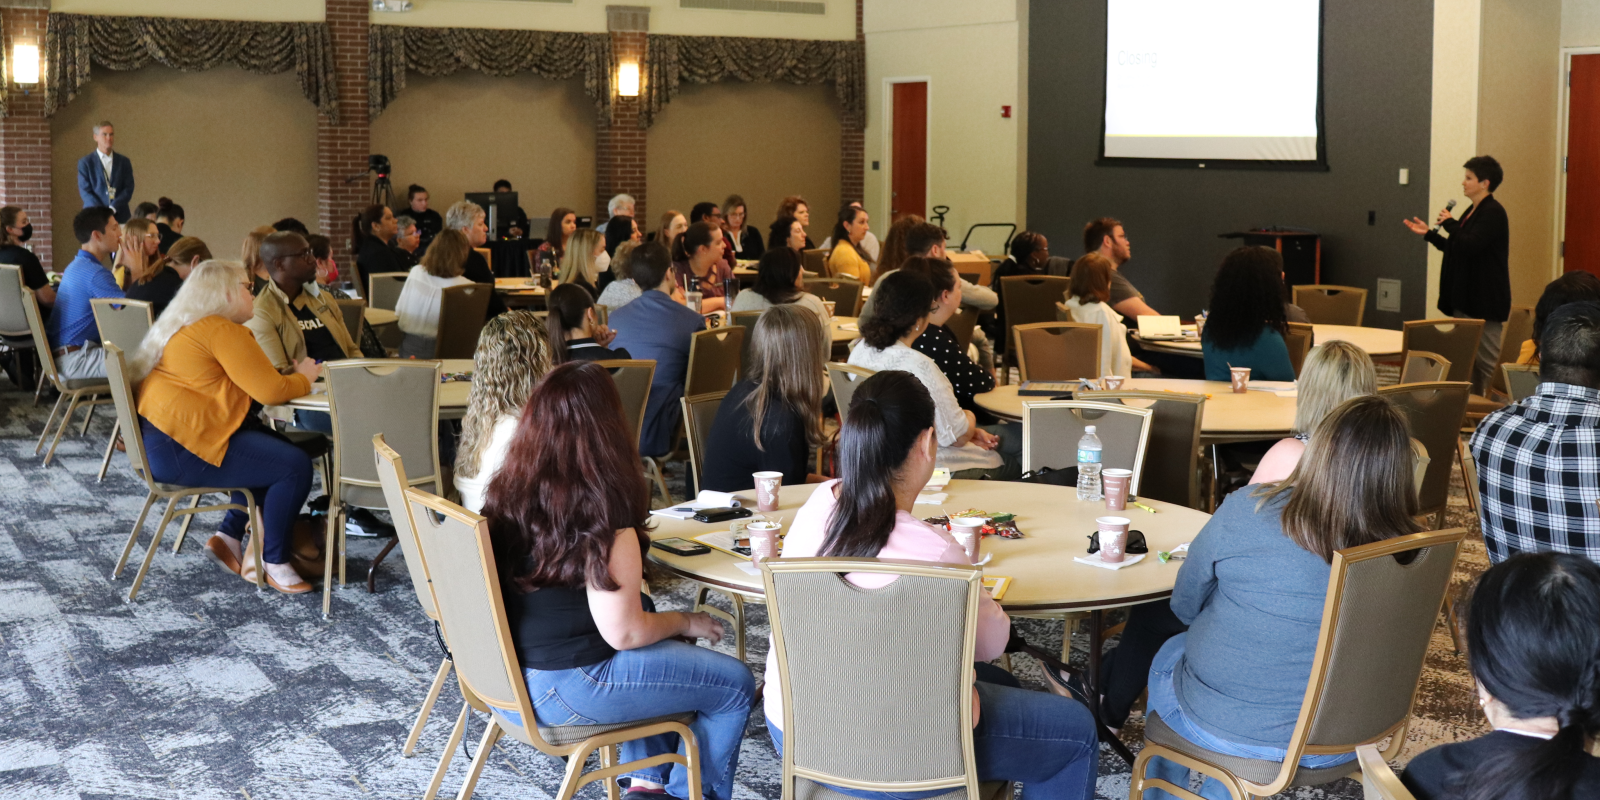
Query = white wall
x=1580 y=23
x=1456 y=32
x=971 y=52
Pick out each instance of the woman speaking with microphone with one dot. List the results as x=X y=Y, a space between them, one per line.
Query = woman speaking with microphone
x=1475 y=279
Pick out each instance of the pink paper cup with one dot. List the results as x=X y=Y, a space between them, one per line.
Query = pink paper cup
x=1117 y=483
x=1113 y=382
x=767 y=486
x=763 y=540
x=1113 y=538
x=1239 y=378
x=969 y=532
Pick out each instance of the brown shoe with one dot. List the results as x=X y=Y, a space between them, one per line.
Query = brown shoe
x=217 y=550
x=300 y=586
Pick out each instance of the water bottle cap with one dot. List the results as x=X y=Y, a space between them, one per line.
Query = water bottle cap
x=1088 y=429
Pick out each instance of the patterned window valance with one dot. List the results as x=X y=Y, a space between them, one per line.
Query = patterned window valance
x=73 y=41
x=393 y=49
x=708 y=59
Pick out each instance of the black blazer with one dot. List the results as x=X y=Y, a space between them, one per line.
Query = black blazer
x=1475 y=278
x=477 y=269
x=750 y=244
x=373 y=258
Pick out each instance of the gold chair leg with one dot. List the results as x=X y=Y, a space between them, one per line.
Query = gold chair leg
x=111 y=447
x=133 y=536
x=344 y=557
x=654 y=473
x=327 y=561
x=258 y=535
x=427 y=708
x=1469 y=474
x=183 y=531
x=609 y=758
x=38 y=391
x=88 y=415
x=485 y=746
x=65 y=421
x=448 y=754
x=49 y=421
x=691 y=753
x=150 y=552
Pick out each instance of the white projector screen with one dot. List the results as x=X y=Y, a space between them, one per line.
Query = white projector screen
x=1212 y=80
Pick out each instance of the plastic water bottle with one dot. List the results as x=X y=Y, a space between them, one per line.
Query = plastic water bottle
x=1089 y=466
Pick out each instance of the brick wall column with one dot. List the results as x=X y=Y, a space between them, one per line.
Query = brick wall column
x=342 y=149
x=853 y=144
x=619 y=150
x=25 y=135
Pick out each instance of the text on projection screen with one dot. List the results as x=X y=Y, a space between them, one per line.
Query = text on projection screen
x=1212 y=79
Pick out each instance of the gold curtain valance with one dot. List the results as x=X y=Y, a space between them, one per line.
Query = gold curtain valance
x=671 y=60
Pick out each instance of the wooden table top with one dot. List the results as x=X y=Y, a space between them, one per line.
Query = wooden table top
x=380 y=316
x=845 y=329
x=1376 y=341
x=1227 y=417
x=1056 y=527
x=518 y=286
x=452 y=394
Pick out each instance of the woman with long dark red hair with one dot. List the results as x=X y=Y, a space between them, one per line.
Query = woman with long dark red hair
x=568 y=512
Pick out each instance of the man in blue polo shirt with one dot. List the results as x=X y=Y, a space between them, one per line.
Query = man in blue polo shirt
x=660 y=328
x=74 y=337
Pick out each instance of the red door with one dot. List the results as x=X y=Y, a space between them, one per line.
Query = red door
x=908 y=163
x=1582 y=236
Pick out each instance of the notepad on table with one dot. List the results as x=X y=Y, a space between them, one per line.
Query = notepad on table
x=1155 y=326
x=706 y=499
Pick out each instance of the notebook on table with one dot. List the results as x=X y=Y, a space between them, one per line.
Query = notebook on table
x=1158 y=327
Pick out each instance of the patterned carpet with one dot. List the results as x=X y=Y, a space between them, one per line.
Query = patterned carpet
x=205 y=689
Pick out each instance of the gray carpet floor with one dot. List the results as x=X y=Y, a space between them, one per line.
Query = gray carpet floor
x=205 y=689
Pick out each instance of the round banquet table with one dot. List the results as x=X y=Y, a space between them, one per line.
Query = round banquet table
x=845 y=329
x=1378 y=342
x=452 y=394
x=378 y=317
x=1044 y=578
x=1228 y=417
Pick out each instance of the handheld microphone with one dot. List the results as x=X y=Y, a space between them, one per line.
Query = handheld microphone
x=1448 y=205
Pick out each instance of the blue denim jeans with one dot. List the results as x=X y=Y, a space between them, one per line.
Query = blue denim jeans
x=279 y=473
x=668 y=677
x=1046 y=742
x=1164 y=701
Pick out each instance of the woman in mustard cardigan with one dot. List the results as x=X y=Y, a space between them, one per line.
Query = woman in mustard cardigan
x=201 y=368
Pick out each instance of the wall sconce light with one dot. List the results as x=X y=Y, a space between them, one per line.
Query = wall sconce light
x=628 y=79
x=25 y=64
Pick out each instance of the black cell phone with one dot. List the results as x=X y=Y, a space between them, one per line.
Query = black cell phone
x=720 y=514
x=681 y=547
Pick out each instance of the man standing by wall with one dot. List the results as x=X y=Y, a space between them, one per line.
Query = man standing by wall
x=105 y=178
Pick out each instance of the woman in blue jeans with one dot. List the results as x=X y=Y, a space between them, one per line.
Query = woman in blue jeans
x=567 y=513
x=1254 y=584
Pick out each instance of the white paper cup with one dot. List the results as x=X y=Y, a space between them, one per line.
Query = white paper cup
x=969 y=532
x=1113 y=538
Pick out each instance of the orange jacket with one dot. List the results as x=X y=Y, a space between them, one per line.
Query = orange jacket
x=200 y=391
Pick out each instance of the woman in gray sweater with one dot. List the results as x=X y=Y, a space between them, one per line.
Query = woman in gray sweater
x=1254 y=584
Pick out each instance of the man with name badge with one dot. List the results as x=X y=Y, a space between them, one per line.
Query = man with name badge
x=105 y=178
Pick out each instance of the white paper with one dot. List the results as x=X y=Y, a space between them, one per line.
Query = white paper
x=934 y=499
x=706 y=499
x=1094 y=560
x=749 y=567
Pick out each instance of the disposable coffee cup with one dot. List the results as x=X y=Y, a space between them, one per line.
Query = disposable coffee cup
x=1113 y=538
x=1116 y=483
x=763 y=539
x=968 y=531
x=1240 y=379
x=829 y=305
x=1113 y=382
x=767 y=486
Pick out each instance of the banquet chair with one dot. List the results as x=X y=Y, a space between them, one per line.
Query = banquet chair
x=844 y=378
x=1518 y=328
x=462 y=311
x=87 y=392
x=844 y=292
x=1057 y=351
x=122 y=323
x=398 y=398
x=699 y=412
x=1298 y=338
x=633 y=378
x=1327 y=304
x=465 y=583
x=961 y=325
x=1172 y=457
x=121 y=391
x=1051 y=430
x=353 y=312
x=815 y=262
x=714 y=358
x=1455 y=339
x=391 y=470
x=1434 y=411
x=386 y=286
x=1378 y=781
x=14 y=332
x=1424 y=367
x=1376 y=624
x=488 y=256
x=1027 y=299
x=1521 y=380
x=746 y=320
x=841 y=651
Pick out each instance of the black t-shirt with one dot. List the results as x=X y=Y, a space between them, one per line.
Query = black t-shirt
x=1443 y=772
x=783 y=434
x=158 y=291
x=590 y=350
x=553 y=627
x=320 y=343
x=429 y=223
x=32 y=271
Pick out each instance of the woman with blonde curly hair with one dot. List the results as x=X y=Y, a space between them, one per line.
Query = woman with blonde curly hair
x=513 y=356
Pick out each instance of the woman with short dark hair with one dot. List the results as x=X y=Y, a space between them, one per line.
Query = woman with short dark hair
x=15 y=228
x=593 y=649
x=787 y=232
x=575 y=331
x=848 y=259
x=697 y=254
x=745 y=239
x=370 y=241
x=1246 y=323
x=780 y=281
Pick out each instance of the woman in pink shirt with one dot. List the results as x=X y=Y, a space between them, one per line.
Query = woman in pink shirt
x=887 y=450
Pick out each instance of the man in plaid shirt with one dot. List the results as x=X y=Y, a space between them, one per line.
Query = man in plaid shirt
x=1539 y=459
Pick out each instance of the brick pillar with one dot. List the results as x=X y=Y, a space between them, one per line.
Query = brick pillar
x=25 y=134
x=620 y=143
x=853 y=144
x=342 y=149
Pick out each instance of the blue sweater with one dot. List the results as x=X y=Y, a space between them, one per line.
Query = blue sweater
x=1267 y=358
x=1252 y=599
x=656 y=328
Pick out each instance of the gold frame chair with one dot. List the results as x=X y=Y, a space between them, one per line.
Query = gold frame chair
x=72 y=390
x=119 y=325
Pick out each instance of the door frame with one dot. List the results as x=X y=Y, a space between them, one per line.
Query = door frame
x=1558 y=235
x=887 y=145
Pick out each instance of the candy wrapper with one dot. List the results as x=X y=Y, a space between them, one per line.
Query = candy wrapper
x=1002 y=525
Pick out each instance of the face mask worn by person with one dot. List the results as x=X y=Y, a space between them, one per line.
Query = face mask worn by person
x=602 y=263
x=27 y=233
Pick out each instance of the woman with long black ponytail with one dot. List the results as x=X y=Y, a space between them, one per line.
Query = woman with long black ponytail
x=887 y=450
x=1533 y=640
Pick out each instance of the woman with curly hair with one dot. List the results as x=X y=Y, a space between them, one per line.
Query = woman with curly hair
x=513 y=356
x=1246 y=325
